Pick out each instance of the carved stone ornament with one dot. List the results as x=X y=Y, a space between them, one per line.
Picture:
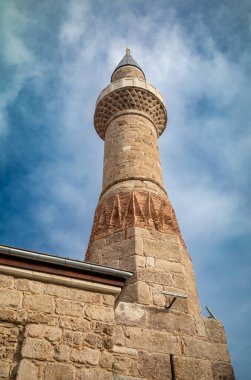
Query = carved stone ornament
x=134 y=209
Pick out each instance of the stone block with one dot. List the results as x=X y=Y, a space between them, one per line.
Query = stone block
x=73 y=338
x=130 y=314
x=104 y=314
x=85 y=356
x=29 y=285
x=86 y=297
x=119 y=336
x=205 y=350
x=42 y=331
x=6 y=281
x=152 y=340
x=56 y=371
x=94 y=340
x=37 y=349
x=154 y=366
x=125 y=350
x=30 y=316
x=222 y=371
x=62 y=353
x=74 y=323
x=168 y=266
x=191 y=369
x=106 y=360
x=27 y=370
x=5 y=368
x=143 y=293
x=100 y=327
x=124 y=365
x=67 y=307
x=163 y=278
x=108 y=299
x=94 y=374
x=214 y=330
x=10 y=298
x=8 y=315
x=199 y=326
x=39 y=302
x=161 y=319
x=59 y=291
x=130 y=293
x=161 y=250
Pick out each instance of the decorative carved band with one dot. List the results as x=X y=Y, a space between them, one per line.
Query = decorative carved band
x=132 y=179
x=128 y=98
x=133 y=209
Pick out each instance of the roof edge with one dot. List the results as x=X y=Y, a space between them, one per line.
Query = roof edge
x=64 y=262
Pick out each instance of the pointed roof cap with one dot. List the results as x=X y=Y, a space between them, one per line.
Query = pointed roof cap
x=128 y=60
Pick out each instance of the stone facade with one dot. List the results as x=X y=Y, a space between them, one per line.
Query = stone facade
x=50 y=331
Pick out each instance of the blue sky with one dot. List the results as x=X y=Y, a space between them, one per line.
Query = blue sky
x=55 y=57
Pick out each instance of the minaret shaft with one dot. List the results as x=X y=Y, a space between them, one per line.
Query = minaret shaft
x=131 y=151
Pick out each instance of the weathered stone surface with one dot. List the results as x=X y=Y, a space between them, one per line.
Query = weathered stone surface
x=154 y=366
x=94 y=374
x=106 y=360
x=222 y=371
x=10 y=298
x=168 y=266
x=125 y=350
x=74 y=323
x=214 y=330
x=8 y=315
x=124 y=365
x=55 y=371
x=108 y=299
x=191 y=369
x=27 y=370
x=5 y=368
x=152 y=340
x=95 y=340
x=59 y=291
x=6 y=281
x=42 y=331
x=100 y=327
x=29 y=285
x=37 y=349
x=160 y=319
x=161 y=250
x=86 y=355
x=205 y=350
x=67 y=307
x=42 y=303
x=62 y=353
x=130 y=314
x=101 y=313
x=9 y=335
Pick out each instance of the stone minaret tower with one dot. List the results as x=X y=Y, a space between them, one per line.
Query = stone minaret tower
x=135 y=229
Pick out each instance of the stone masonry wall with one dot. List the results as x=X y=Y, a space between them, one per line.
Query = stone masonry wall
x=54 y=332
x=151 y=342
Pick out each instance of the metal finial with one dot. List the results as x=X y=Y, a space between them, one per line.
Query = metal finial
x=128 y=51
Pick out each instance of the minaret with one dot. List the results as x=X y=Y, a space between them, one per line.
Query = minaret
x=135 y=229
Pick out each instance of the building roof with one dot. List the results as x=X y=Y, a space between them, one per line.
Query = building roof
x=128 y=60
x=63 y=266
